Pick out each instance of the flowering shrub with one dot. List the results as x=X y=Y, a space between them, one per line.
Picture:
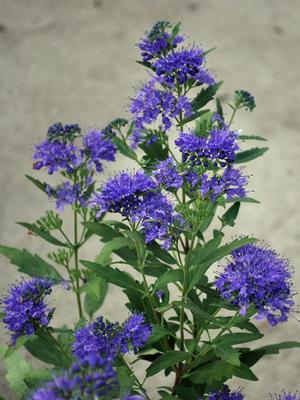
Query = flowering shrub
x=190 y=169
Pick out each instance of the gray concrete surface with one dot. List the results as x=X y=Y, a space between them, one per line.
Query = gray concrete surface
x=73 y=61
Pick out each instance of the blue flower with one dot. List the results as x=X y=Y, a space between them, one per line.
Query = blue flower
x=56 y=156
x=97 y=337
x=135 y=333
x=225 y=394
x=124 y=193
x=152 y=104
x=98 y=146
x=111 y=339
x=220 y=145
x=286 y=396
x=158 y=41
x=181 y=66
x=258 y=276
x=90 y=378
x=25 y=309
x=137 y=197
x=166 y=174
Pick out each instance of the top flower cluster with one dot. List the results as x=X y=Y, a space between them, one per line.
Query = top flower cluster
x=174 y=71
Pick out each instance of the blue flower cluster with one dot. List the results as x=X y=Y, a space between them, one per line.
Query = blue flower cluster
x=167 y=176
x=60 y=152
x=138 y=197
x=151 y=104
x=257 y=276
x=24 y=307
x=89 y=378
x=226 y=394
x=176 y=71
x=286 y=396
x=110 y=340
x=208 y=162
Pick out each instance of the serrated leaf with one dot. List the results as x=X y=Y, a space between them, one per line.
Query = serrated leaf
x=36 y=377
x=43 y=234
x=29 y=264
x=167 y=360
x=228 y=354
x=205 y=96
x=249 y=155
x=96 y=290
x=161 y=253
x=252 y=137
x=194 y=116
x=170 y=276
x=124 y=148
x=104 y=257
x=158 y=332
x=216 y=371
x=238 y=338
x=114 y=276
x=41 y=185
x=44 y=349
x=16 y=369
x=229 y=217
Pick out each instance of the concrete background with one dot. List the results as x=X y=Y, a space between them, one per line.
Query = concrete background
x=73 y=61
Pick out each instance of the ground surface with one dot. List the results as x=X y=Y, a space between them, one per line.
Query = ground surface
x=73 y=61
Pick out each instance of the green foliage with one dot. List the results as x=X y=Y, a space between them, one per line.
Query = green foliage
x=29 y=264
x=166 y=360
x=251 y=154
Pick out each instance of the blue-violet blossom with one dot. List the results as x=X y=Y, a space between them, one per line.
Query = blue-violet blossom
x=258 y=276
x=24 y=307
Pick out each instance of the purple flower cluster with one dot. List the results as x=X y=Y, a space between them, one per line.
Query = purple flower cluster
x=25 y=309
x=98 y=146
x=232 y=183
x=59 y=152
x=258 y=276
x=158 y=41
x=226 y=394
x=109 y=340
x=181 y=66
x=220 y=145
x=167 y=175
x=152 y=103
x=137 y=197
x=217 y=151
x=90 y=378
x=67 y=193
x=286 y=396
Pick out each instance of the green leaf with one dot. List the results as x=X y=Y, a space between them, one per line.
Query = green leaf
x=114 y=276
x=167 y=360
x=194 y=116
x=275 y=348
x=161 y=253
x=36 y=377
x=219 y=108
x=228 y=354
x=244 y=372
x=216 y=371
x=116 y=243
x=41 y=185
x=229 y=217
x=205 y=96
x=43 y=348
x=242 y=200
x=252 y=137
x=124 y=148
x=43 y=234
x=249 y=155
x=96 y=290
x=126 y=380
x=238 y=338
x=29 y=264
x=103 y=230
x=170 y=276
x=16 y=369
x=158 y=332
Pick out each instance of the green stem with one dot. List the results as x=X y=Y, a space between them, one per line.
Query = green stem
x=139 y=384
x=75 y=247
